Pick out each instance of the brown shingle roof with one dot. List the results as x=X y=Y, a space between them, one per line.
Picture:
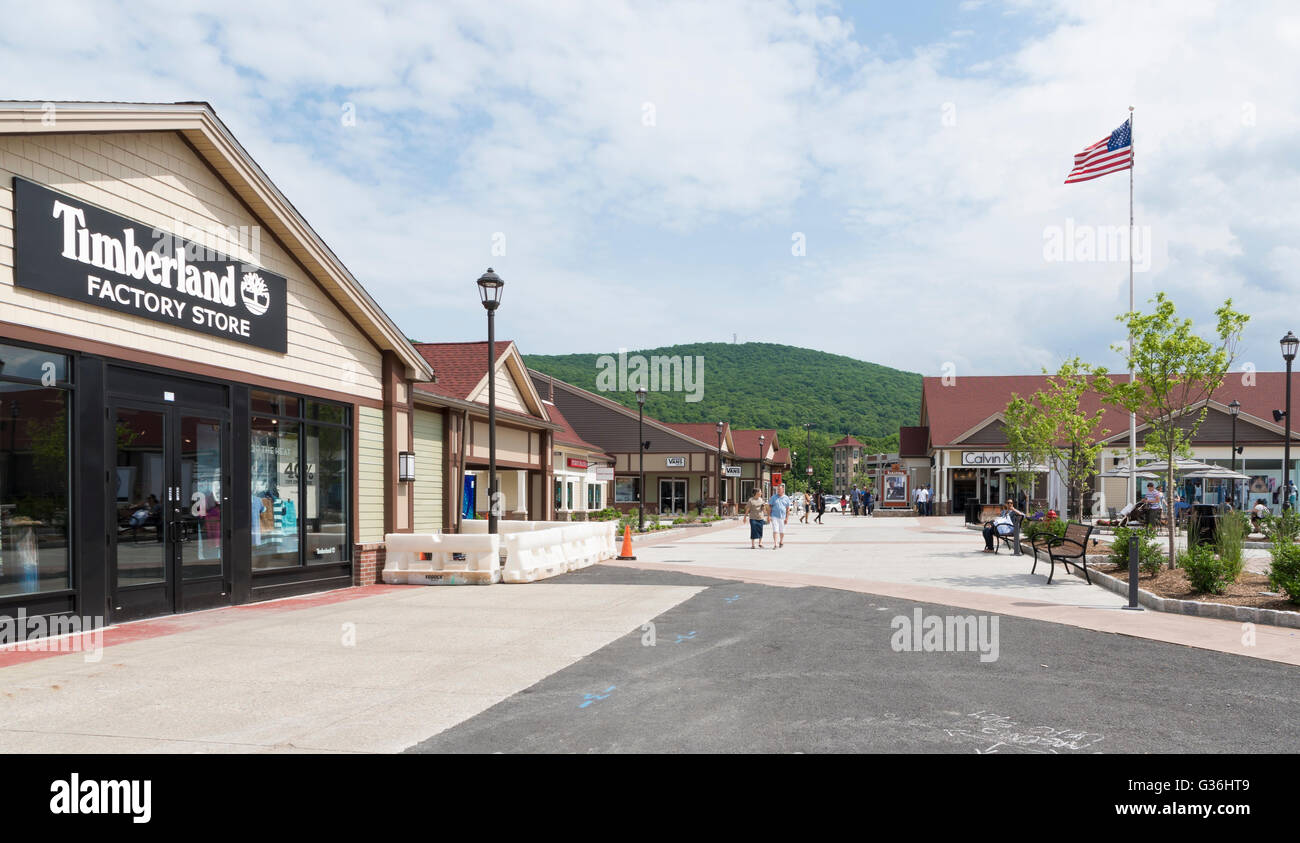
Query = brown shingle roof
x=913 y=441
x=848 y=441
x=566 y=435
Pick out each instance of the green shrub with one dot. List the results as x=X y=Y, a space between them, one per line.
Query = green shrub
x=1206 y=572
x=1150 y=556
x=1284 y=527
x=609 y=513
x=1284 y=573
x=1229 y=541
x=1031 y=529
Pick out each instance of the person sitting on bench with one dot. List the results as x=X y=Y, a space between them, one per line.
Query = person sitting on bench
x=1003 y=525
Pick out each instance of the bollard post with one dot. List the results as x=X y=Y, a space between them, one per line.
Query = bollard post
x=1133 y=573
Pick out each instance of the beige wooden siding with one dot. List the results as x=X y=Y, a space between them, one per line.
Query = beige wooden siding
x=509 y=396
x=512 y=443
x=370 y=475
x=429 y=479
x=154 y=178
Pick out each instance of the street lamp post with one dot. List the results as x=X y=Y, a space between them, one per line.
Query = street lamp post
x=758 y=471
x=640 y=435
x=807 y=426
x=719 y=492
x=489 y=289
x=1289 y=345
x=1235 y=408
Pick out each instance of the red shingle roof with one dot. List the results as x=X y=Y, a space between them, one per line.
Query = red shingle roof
x=746 y=442
x=781 y=457
x=458 y=366
x=953 y=409
x=701 y=431
x=848 y=441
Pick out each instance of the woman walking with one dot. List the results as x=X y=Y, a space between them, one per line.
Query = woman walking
x=821 y=506
x=756 y=511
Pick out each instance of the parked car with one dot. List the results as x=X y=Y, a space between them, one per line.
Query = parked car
x=832 y=503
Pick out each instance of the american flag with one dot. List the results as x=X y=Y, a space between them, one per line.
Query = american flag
x=1108 y=155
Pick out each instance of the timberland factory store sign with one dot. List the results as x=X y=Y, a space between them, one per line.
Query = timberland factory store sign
x=68 y=248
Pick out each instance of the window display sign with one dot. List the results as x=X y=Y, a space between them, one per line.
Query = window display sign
x=71 y=249
x=895 y=490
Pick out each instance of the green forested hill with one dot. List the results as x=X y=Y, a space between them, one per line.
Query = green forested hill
x=762 y=385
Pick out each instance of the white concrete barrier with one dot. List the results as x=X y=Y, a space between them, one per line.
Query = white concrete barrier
x=479 y=562
x=538 y=554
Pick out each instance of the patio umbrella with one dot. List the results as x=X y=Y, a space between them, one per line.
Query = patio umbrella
x=1182 y=465
x=1217 y=472
x=1123 y=472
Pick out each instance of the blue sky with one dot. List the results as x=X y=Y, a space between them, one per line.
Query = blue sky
x=648 y=166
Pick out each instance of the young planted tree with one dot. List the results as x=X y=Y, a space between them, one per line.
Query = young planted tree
x=1076 y=436
x=1052 y=427
x=1026 y=439
x=1175 y=374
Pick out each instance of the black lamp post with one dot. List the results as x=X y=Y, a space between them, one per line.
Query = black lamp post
x=758 y=472
x=1235 y=408
x=719 y=493
x=489 y=291
x=640 y=435
x=1289 y=345
x=807 y=426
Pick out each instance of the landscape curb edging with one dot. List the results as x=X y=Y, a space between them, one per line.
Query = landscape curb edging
x=1245 y=614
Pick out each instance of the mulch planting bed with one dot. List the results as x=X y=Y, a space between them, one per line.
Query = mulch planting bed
x=1173 y=584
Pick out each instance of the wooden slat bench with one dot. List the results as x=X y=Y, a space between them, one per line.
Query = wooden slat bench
x=1070 y=549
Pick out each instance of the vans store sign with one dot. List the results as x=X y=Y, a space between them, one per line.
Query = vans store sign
x=73 y=250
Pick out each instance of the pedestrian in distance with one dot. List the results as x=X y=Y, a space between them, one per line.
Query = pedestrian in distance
x=821 y=506
x=807 y=506
x=756 y=512
x=778 y=509
x=869 y=501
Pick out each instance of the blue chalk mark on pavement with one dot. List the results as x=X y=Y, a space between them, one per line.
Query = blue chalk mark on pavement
x=591 y=698
x=687 y=637
x=732 y=599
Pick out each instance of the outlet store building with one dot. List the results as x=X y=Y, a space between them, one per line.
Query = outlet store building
x=199 y=404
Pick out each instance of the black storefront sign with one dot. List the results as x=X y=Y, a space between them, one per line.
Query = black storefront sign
x=68 y=248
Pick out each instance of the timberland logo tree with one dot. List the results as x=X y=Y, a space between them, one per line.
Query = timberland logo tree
x=254 y=292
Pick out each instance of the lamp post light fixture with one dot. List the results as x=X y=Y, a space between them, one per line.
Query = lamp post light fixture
x=406 y=466
x=1235 y=409
x=1289 y=345
x=640 y=435
x=718 y=496
x=489 y=290
x=758 y=471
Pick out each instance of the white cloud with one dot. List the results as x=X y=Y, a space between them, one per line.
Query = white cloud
x=923 y=191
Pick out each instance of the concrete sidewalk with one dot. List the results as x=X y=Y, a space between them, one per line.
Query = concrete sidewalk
x=280 y=676
x=937 y=560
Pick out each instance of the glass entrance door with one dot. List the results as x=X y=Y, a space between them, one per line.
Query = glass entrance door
x=171 y=488
x=672 y=496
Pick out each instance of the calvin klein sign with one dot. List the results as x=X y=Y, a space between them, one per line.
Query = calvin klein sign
x=68 y=248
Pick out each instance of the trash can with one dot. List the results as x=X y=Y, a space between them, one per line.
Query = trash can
x=1203 y=523
x=972 y=511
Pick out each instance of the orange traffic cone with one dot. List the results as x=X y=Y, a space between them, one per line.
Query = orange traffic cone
x=625 y=554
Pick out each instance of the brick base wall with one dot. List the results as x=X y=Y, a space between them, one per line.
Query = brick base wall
x=369 y=566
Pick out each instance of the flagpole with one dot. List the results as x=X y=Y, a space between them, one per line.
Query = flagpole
x=1132 y=417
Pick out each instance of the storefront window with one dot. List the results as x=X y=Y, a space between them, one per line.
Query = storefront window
x=568 y=500
x=593 y=496
x=273 y=404
x=559 y=499
x=326 y=478
x=34 y=450
x=274 y=471
x=300 y=482
x=626 y=489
